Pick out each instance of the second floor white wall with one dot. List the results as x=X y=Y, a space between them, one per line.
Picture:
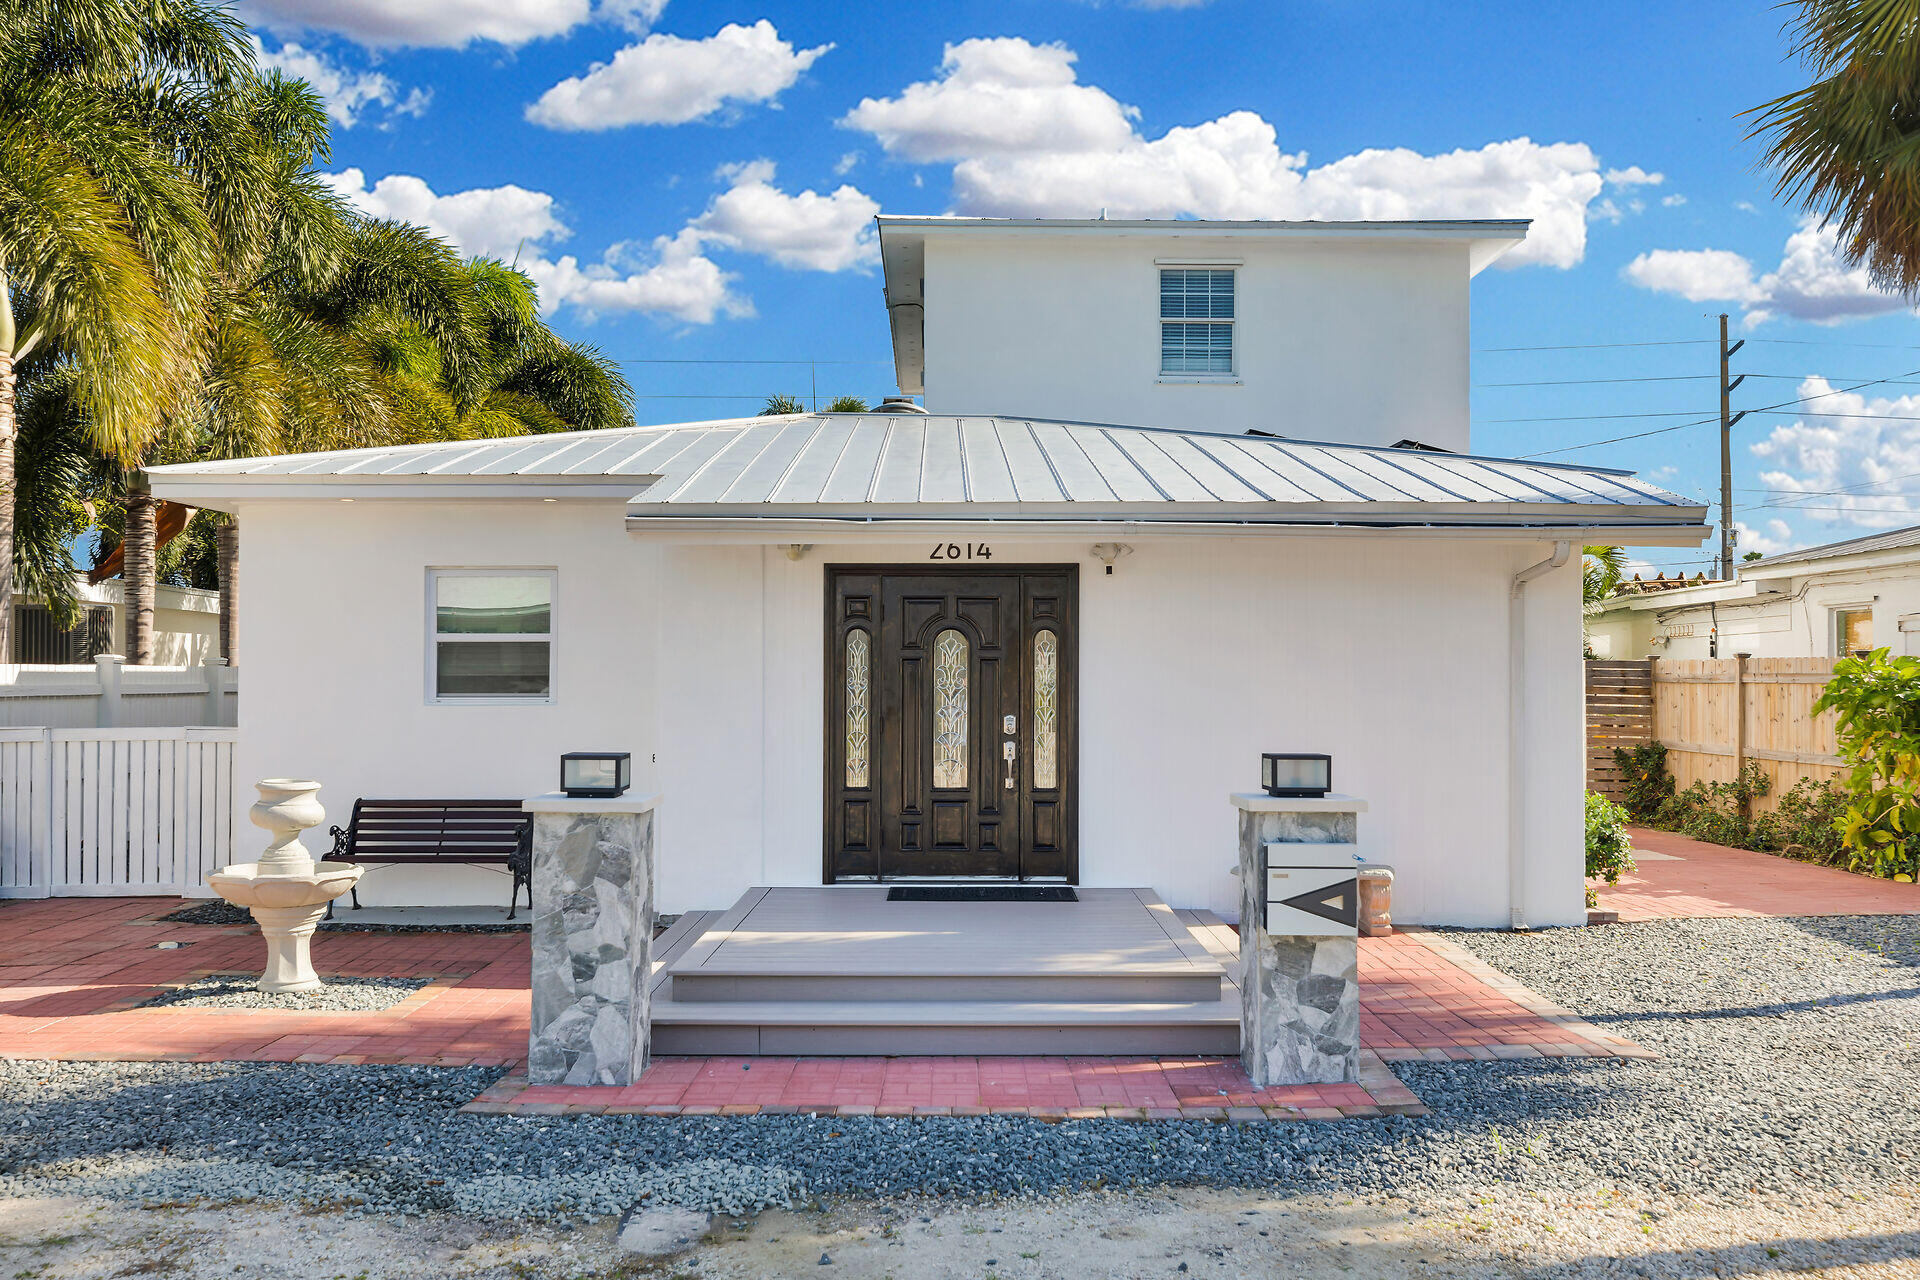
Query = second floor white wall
x=1350 y=341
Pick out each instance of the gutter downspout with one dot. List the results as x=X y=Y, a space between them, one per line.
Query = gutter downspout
x=1516 y=731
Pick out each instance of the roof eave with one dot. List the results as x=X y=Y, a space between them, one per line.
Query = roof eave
x=225 y=492
x=1624 y=526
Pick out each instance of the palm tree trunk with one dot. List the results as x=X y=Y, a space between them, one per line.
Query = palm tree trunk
x=137 y=576
x=8 y=428
x=227 y=543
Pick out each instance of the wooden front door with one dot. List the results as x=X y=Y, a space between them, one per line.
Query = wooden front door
x=950 y=723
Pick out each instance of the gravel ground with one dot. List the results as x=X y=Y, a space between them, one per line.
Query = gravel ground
x=238 y=991
x=1790 y=1055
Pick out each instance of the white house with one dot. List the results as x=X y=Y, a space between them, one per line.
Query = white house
x=186 y=625
x=1150 y=522
x=1819 y=602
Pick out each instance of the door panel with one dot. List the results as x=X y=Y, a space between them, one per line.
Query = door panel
x=925 y=672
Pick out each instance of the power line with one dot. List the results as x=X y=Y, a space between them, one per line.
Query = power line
x=1676 y=377
x=1590 y=382
x=1679 y=426
x=656 y=360
x=1604 y=346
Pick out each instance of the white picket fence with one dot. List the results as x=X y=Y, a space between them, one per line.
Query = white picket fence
x=114 y=811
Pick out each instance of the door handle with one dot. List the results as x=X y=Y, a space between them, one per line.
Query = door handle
x=1008 y=750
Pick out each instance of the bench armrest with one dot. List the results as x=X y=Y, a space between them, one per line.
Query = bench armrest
x=339 y=835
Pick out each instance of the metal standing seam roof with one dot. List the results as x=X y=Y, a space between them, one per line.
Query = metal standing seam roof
x=823 y=463
x=1891 y=540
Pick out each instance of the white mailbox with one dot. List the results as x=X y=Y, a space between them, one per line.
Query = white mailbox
x=1310 y=890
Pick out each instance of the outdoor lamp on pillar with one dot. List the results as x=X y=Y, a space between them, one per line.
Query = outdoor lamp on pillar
x=596 y=774
x=1296 y=774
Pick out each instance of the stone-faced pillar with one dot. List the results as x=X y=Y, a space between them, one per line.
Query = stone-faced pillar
x=1299 y=985
x=592 y=938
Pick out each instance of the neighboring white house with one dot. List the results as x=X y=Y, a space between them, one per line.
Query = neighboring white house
x=186 y=626
x=1821 y=602
x=1039 y=629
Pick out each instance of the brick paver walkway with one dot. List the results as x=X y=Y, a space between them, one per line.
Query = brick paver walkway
x=71 y=970
x=1693 y=878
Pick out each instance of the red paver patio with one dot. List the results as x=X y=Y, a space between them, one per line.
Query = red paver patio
x=72 y=968
x=1693 y=878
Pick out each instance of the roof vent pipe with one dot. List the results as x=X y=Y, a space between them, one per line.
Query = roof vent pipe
x=899 y=404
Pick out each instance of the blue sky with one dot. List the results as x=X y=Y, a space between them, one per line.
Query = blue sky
x=692 y=185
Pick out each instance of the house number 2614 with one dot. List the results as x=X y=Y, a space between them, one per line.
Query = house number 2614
x=961 y=551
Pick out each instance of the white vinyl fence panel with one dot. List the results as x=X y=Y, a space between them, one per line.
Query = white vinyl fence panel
x=114 y=811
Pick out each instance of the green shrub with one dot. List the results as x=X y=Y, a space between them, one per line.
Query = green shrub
x=1806 y=824
x=1717 y=812
x=1647 y=784
x=1609 y=850
x=1877 y=704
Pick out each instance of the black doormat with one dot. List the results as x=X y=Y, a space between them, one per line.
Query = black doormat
x=982 y=893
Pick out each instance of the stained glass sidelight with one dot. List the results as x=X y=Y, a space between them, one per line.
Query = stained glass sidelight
x=859 y=653
x=949 y=709
x=1046 y=710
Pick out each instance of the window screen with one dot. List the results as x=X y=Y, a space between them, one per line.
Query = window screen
x=1196 y=320
x=492 y=634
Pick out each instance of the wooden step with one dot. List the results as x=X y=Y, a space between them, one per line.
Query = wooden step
x=1183 y=984
x=833 y=973
x=893 y=1028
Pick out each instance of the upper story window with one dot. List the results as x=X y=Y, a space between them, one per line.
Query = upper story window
x=492 y=635
x=1196 y=320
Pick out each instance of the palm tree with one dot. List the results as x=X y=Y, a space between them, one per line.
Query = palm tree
x=1601 y=570
x=1847 y=147
x=105 y=245
x=778 y=405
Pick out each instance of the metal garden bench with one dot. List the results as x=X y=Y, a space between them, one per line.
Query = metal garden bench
x=484 y=832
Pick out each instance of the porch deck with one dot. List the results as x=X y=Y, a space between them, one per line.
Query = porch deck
x=842 y=970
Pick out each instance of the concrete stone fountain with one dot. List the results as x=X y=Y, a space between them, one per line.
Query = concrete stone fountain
x=286 y=890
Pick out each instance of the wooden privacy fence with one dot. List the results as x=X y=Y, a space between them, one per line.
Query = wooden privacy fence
x=1714 y=716
x=114 y=811
x=1619 y=714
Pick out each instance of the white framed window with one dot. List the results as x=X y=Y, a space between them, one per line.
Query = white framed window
x=1196 y=322
x=1852 y=631
x=490 y=635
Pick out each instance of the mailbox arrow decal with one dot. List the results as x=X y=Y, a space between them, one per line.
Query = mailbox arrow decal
x=1339 y=903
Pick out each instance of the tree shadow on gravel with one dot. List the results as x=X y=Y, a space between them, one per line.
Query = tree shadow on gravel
x=1758 y=1010
x=1892 y=938
x=1782 y=1256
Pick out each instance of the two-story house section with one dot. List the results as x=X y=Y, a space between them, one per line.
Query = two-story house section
x=1153 y=520
x=1352 y=332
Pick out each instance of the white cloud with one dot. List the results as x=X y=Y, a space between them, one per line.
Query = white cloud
x=845 y=164
x=807 y=231
x=1673 y=201
x=1698 y=275
x=1633 y=176
x=1855 y=455
x=665 y=79
x=1777 y=538
x=349 y=95
x=440 y=24
x=1811 y=283
x=997 y=97
x=1027 y=139
x=636 y=16
x=672 y=277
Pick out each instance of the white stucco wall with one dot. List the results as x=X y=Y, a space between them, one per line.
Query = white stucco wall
x=1197 y=654
x=1357 y=343
x=1794 y=619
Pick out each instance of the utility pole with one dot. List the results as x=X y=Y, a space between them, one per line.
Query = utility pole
x=1727 y=418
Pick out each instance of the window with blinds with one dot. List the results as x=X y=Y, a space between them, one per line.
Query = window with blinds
x=1196 y=320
